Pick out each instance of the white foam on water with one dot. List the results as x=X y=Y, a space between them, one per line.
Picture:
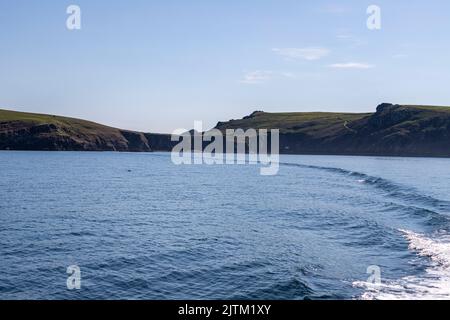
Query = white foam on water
x=433 y=285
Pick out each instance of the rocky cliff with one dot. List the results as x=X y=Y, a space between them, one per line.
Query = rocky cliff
x=393 y=130
x=28 y=131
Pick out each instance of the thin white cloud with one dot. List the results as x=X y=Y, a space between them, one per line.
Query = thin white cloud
x=351 y=39
x=351 y=65
x=344 y=36
x=335 y=9
x=289 y=75
x=310 y=53
x=257 y=77
x=263 y=76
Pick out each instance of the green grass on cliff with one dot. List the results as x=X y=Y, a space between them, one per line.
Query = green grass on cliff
x=326 y=122
x=6 y=115
x=286 y=120
x=295 y=121
x=72 y=124
x=430 y=108
x=319 y=124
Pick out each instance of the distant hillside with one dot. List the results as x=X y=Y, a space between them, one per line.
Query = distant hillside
x=30 y=131
x=393 y=130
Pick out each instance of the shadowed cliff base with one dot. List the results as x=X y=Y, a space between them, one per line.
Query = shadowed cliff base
x=393 y=130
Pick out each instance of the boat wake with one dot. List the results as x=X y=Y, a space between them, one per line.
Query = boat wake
x=393 y=190
x=434 y=284
x=433 y=279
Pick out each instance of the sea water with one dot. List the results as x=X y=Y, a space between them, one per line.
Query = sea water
x=140 y=227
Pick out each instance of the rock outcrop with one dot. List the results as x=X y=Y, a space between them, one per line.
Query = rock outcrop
x=26 y=131
x=393 y=130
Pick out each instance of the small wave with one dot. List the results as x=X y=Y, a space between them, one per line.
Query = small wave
x=429 y=217
x=393 y=189
x=289 y=288
x=434 y=284
x=437 y=249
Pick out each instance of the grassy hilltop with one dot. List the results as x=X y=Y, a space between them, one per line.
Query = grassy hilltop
x=31 y=131
x=393 y=130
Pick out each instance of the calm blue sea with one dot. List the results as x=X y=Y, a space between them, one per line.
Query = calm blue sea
x=140 y=227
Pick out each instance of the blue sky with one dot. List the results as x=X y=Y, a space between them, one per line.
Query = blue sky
x=156 y=65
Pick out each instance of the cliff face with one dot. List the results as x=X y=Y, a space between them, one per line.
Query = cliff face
x=26 y=131
x=393 y=130
x=405 y=130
